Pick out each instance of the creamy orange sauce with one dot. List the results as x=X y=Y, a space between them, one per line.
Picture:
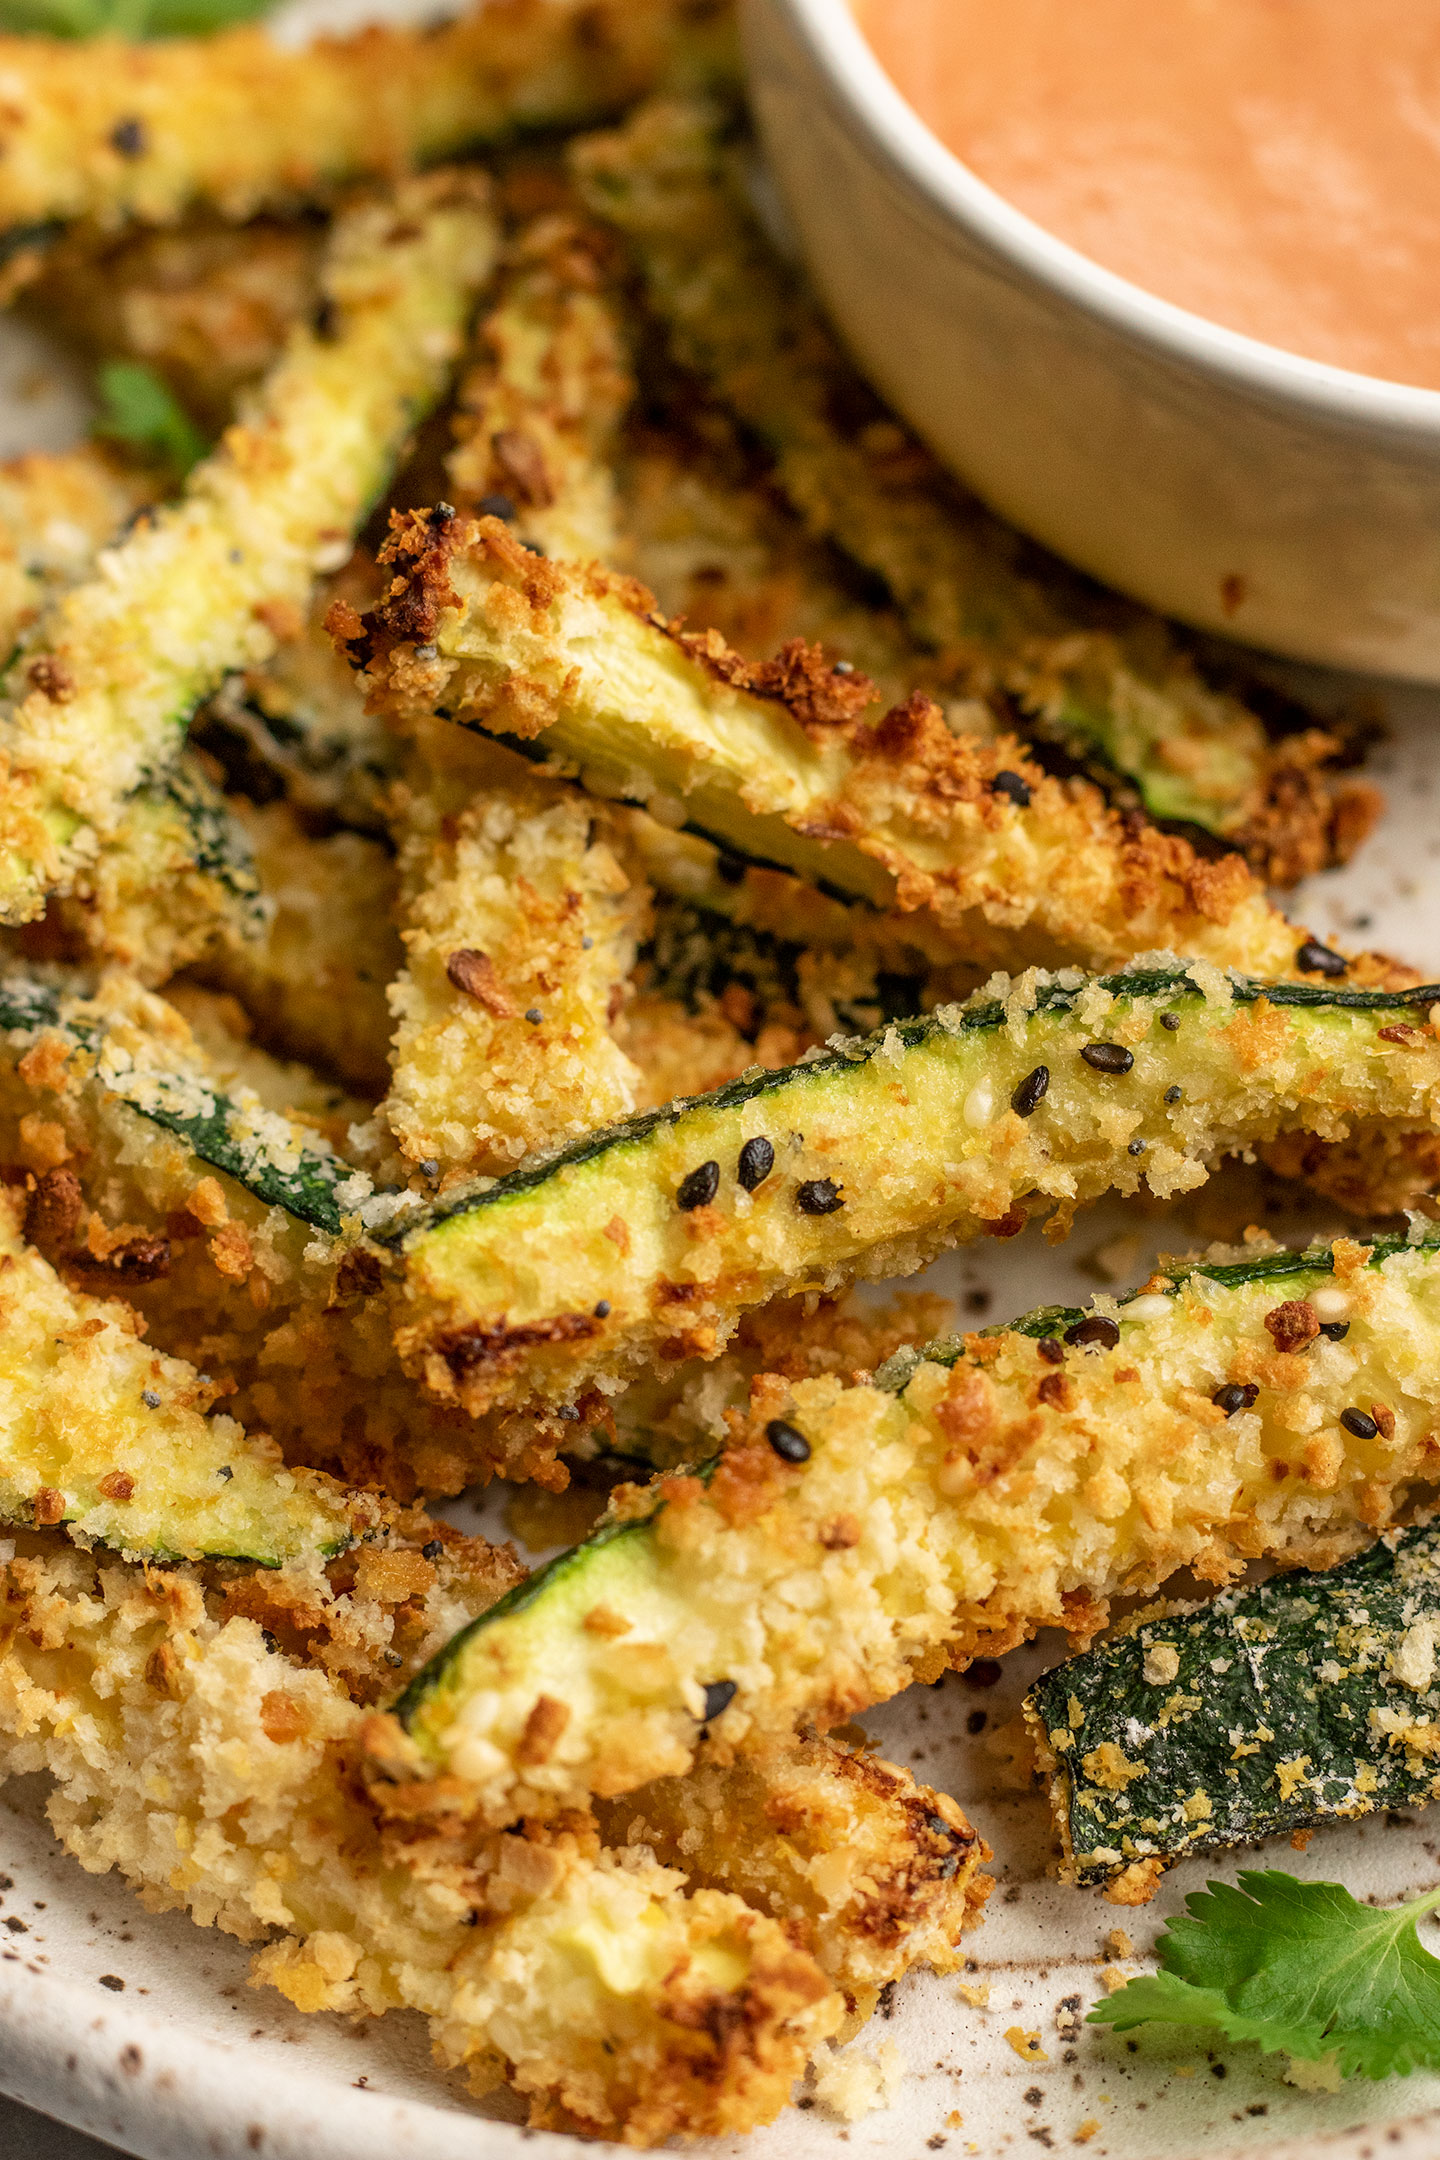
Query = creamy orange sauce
x=1271 y=164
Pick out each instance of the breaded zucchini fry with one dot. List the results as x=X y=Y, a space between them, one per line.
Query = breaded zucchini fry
x=1103 y=676
x=1306 y=1700
x=314 y=985
x=99 y=1432
x=648 y=1242
x=538 y=415
x=520 y=928
x=57 y=510
x=1018 y=1480
x=106 y=684
x=592 y=1983
x=111 y=130
x=877 y=1873
x=776 y=762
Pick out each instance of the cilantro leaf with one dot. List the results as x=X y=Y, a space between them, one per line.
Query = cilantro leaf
x=1298 y=1966
x=140 y=410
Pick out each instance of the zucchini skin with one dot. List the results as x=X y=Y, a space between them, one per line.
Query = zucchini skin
x=110 y=1437
x=592 y=1264
x=1306 y=1701
x=1023 y=1486
x=199 y=589
x=278 y=1162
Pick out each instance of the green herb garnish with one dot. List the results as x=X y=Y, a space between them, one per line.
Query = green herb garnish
x=140 y=410
x=1296 y=1966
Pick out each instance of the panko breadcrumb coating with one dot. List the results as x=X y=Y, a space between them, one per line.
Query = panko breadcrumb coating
x=111 y=129
x=212 y=1771
x=213 y=580
x=519 y=924
x=852 y=1540
x=782 y=761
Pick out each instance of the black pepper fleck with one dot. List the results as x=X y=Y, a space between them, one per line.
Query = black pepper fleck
x=1235 y=1397
x=1011 y=784
x=1335 y=1330
x=1313 y=958
x=719 y=1694
x=128 y=138
x=534 y=1016
x=602 y=1310
x=789 y=1445
x=1052 y=1351
x=730 y=870
x=150 y=1399
x=1094 y=1332
x=1360 y=1423
x=1170 y=1021
x=818 y=1196
x=497 y=506
x=225 y=1472
x=1137 y=1147
x=433 y=1550
x=112 y=1981
x=698 y=1187
x=976 y=1722
x=326 y=320
x=1108 y=1057
x=1175 y=1093
x=757 y=1160
x=1026 y=1098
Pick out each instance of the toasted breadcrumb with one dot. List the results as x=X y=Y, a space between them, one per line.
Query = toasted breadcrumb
x=856 y=2081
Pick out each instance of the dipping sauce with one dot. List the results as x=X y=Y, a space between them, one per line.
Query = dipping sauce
x=1271 y=164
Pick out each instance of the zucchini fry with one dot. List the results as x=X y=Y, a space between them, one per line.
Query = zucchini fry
x=110 y=130
x=520 y=928
x=1308 y=1700
x=591 y=1983
x=314 y=985
x=538 y=416
x=113 y=1439
x=649 y=1241
x=213 y=579
x=1104 y=677
x=850 y=1540
x=878 y=1874
x=56 y=513
x=777 y=764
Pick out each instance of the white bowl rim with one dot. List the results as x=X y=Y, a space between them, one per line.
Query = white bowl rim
x=835 y=39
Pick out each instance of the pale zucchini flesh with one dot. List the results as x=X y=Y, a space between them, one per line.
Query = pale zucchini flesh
x=197 y=591
x=642 y=1242
x=1309 y=1700
x=112 y=1438
x=1205 y=1424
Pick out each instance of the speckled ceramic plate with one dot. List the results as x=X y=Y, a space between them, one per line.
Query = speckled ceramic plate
x=143 y=2030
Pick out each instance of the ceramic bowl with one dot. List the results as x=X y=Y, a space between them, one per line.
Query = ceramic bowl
x=1239 y=487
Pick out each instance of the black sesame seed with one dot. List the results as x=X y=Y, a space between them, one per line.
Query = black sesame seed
x=1337 y=1330
x=496 y=506
x=1175 y=1094
x=757 y=1160
x=719 y=1694
x=789 y=1445
x=602 y=1310
x=1026 y=1098
x=1234 y=1397
x=699 y=1188
x=1313 y=958
x=225 y=1472
x=1108 y=1057
x=534 y=1016
x=1011 y=784
x=1095 y=1331
x=128 y=138
x=1360 y=1423
x=1138 y=1147
x=150 y=1399
x=1170 y=1021
x=818 y=1196
x=433 y=1550
x=1052 y=1351
x=430 y=1167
